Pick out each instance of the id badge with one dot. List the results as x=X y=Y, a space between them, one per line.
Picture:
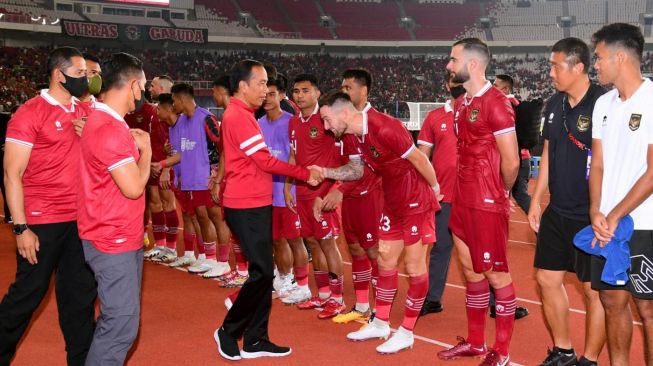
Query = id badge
x=589 y=163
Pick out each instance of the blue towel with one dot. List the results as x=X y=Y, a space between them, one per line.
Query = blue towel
x=616 y=252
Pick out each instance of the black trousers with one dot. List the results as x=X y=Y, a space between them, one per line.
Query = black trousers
x=250 y=314
x=60 y=252
x=520 y=189
x=4 y=194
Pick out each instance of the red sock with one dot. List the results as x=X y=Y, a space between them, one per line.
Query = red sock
x=477 y=299
x=200 y=243
x=505 y=321
x=386 y=289
x=159 y=228
x=417 y=289
x=223 y=252
x=301 y=275
x=361 y=272
x=335 y=285
x=322 y=282
x=172 y=228
x=241 y=262
x=209 y=250
x=189 y=242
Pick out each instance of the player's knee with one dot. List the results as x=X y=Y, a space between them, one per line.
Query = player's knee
x=612 y=303
x=545 y=280
x=356 y=250
x=155 y=206
x=415 y=268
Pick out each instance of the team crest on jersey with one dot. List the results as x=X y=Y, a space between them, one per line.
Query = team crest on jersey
x=583 y=123
x=635 y=119
x=375 y=152
x=139 y=118
x=473 y=115
x=313 y=132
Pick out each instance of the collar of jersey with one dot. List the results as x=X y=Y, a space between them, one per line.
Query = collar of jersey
x=45 y=94
x=647 y=84
x=365 y=129
x=447 y=106
x=315 y=110
x=485 y=88
x=106 y=109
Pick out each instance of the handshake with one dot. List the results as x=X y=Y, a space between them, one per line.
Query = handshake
x=317 y=175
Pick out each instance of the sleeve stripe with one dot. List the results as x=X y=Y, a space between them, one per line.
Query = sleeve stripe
x=255 y=149
x=425 y=143
x=19 y=142
x=505 y=130
x=355 y=157
x=121 y=163
x=405 y=155
x=250 y=141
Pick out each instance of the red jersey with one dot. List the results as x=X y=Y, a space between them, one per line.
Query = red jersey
x=369 y=181
x=384 y=146
x=478 y=120
x=108 y=219
x=50 y=179
x=159 y=134
x=143 y=118
x=248 y=163
x=438 y=133
x=313 y=145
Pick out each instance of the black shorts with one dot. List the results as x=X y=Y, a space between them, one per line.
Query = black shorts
x=641 y=267
x=555 y=250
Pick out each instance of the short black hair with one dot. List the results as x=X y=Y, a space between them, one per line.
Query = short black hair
x=576 y=50
x=92 y=57
x=61 y=58
x=271 y=70
x=241 y=71
x=183 y=89
x=167 y=78
x=273 y=82
x=475 y=45
x=361 y=76
x=222 y=82
x=306 y=77
x=119 y=69
x=282 y=82
x=506 y=79
x=165 y=99
x=623 y=35
x=332 y=97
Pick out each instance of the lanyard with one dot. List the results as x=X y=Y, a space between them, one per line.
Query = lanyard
x=570 y=135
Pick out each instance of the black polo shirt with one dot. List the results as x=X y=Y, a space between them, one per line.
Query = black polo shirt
x=568 y=185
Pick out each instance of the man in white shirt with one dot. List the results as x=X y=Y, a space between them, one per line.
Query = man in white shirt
x=621 y=181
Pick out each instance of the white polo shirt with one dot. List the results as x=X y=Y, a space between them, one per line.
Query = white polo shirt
x=625 y=129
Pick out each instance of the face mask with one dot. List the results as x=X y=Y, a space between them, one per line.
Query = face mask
x=457 y=91
x=139 y=103
x=95 y=84
x=75 y=86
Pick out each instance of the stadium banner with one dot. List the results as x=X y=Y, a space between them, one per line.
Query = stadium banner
x=133 y=33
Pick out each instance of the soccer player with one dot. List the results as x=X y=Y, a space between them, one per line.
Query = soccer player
x=621 y=181
x=41 y=194
x=437 y=139
x=362 y=202
x=115 y=167
x=408 y=218
x=247 y=201
x=563 y=170
x=197 y=155
x=488 y=163
x=160 y=85
x=314 y=145
x=285 y=223
x=94 y=75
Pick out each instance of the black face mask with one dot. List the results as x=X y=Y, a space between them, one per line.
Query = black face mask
x=457 y=91
x=75 y=86
x=139 y=103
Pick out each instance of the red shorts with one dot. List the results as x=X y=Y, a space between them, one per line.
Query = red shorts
x=410 y=228
x=360 y=218
x=190 y=200
x=155 y=181
x=486 y=236
x=285 y=224
x=327 y=229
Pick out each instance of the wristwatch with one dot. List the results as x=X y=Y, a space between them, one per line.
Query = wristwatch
x=19 y=228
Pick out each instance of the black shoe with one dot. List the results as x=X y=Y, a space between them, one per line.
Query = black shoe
x=8 y=220
x=557 y=358
x=520 y=312
x=585 y=362
x=227 y=345
x=430 y=307
x=264 y=348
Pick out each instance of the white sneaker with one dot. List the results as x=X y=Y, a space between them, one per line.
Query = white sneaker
x=182 y=261
x=165 y=256
x=217 y=269
x=288 y=285
x=282 y=283
x=375 y=329
x=153 y=252
x=199 y=266
x=402 y=339
x=297 y=296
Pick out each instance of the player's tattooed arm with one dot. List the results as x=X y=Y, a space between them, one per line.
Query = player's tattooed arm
x=351 y=171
